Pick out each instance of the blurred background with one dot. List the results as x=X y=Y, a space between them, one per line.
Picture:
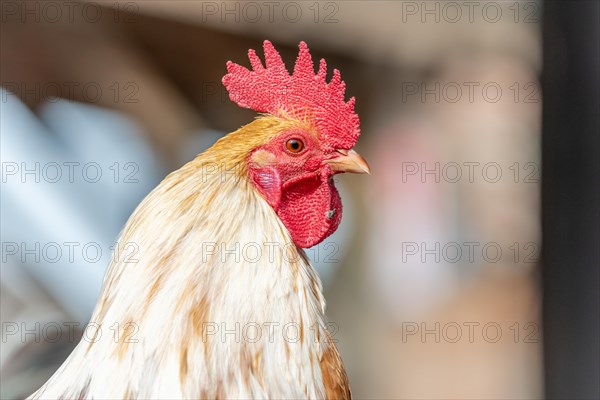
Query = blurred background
x=432 y=279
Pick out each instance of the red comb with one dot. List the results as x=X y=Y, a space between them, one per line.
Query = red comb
x=301 y=95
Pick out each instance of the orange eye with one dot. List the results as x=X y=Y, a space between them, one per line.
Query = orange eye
x=294 y=145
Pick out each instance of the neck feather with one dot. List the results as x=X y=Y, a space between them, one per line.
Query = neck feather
x=215 y=301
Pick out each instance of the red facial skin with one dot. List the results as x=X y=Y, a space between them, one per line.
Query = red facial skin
x=299 y=187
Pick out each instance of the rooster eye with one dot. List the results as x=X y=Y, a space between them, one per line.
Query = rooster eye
x=294 y=145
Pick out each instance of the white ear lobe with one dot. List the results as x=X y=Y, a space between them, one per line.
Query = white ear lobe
x=268 y=182
x=263 y=158
x=265 y=177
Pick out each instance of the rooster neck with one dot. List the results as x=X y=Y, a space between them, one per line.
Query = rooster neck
x=215 y=302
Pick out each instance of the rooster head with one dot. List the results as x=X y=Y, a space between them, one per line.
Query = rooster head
x=305 y=136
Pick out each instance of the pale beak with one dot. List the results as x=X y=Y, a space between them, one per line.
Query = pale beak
x=349 y=161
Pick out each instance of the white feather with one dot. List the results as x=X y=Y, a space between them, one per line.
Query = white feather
x=174 y=229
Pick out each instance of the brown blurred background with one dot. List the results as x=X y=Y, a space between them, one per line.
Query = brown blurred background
x=434 y=288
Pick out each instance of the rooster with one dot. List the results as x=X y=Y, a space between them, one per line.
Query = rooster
x=221 y=301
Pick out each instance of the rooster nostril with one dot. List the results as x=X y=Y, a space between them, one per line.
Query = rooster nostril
x=329 y=214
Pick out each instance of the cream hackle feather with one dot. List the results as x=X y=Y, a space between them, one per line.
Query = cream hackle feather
x=164 y=312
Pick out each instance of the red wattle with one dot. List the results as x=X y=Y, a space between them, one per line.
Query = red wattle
x=311 y=209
